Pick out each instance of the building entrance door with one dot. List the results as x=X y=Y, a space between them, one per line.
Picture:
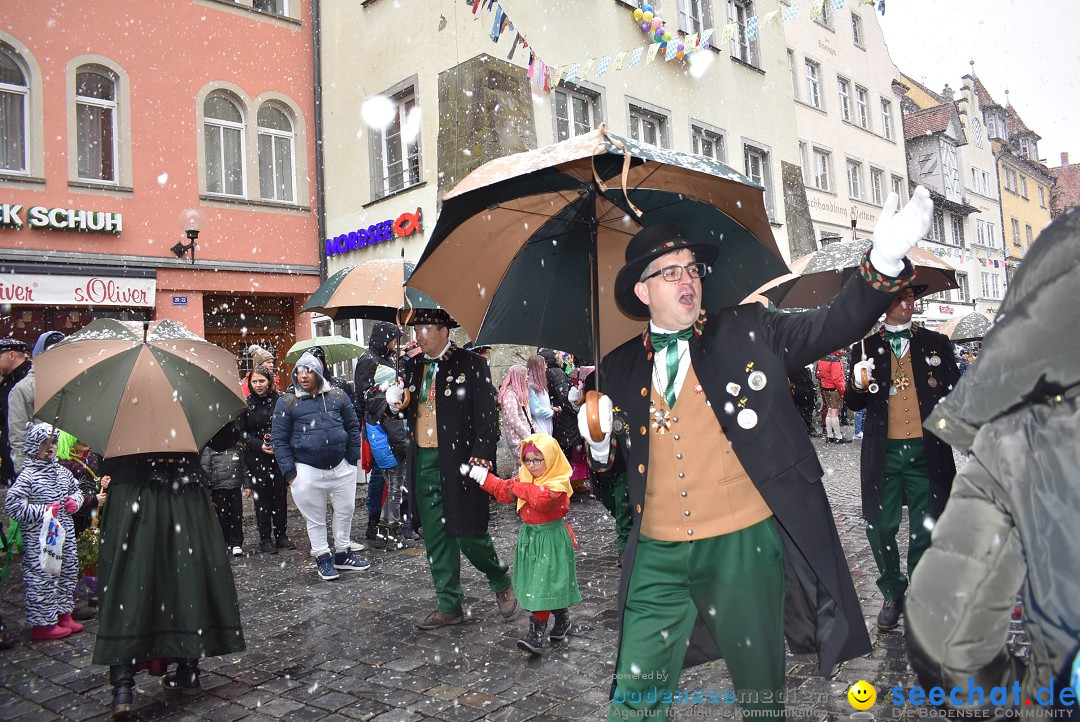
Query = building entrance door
x=236 y=323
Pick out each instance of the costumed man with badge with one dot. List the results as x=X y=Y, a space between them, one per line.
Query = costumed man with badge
x=908 y=370
x=454 y=428
x=731 y=524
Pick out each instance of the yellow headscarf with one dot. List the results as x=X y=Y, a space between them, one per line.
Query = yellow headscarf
x=557 y=474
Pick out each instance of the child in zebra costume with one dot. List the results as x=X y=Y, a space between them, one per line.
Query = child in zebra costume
x=42 y=484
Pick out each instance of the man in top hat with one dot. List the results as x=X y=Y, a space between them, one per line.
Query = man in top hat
x=14 y=365
x=909 y=370
x=454 y=424
x=730 y=518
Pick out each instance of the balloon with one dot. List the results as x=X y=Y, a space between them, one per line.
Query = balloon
x=647 y=8
x=638 y=14
x=645 y=27
x=667 y=37
x=682 y=48
x=647 y=16
x=656 y=22
x=679 y=55
x=658 y=35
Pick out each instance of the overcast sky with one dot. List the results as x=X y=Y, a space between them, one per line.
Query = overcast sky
x=1027 y=46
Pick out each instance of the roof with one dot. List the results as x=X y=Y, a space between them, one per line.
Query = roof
x=928 y=121
x=936 y=96
x=1013 y=121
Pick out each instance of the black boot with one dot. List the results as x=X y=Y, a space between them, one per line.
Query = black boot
x=533 y=642
x=122 y=677
x=561 y=628
x=379 y=540
x=186 y=677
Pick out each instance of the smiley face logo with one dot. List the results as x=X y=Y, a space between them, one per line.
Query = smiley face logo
x=862 y=695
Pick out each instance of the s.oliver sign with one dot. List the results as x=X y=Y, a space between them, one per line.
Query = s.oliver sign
x=40 y=290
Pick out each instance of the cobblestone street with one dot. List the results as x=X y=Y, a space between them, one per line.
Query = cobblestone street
x=348 y=649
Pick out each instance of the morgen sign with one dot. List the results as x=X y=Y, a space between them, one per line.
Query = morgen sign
x=405 y=225
x=40 y=290
x=61 y=219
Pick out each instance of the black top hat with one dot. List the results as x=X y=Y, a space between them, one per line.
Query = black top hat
x=646 y=246
x=13 y=344
x=422 y=316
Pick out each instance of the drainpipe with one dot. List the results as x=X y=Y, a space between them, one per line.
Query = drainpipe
x=320 y=193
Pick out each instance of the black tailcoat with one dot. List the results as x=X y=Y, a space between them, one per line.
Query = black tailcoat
x=467 y=419
x=822 y=612
x=923 y=346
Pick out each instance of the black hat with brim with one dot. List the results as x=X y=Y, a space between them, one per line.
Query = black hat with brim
x=645 y=247
x=423 y=316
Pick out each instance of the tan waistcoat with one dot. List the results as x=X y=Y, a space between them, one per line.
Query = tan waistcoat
x=427 y=435
x=696 y=488
x=905 y=421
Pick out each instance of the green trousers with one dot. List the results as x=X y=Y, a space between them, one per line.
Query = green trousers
x=735 y=583
x=444 y=555
x=905 y=479
x=611 y=491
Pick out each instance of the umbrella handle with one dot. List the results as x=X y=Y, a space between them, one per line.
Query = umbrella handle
x=592 y=414
x=625 y=168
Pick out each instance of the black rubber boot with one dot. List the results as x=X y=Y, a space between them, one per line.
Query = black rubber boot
x=122 y=677
x=185 y=678
x=561 y=628
x=533 y=642
x=372 y=528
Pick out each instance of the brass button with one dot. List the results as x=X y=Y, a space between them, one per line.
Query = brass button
x=676 y=437
x=641 y=468
x=648 y=357
x=638 y=508
x=644 y=391
x=690 y=532
x=684 y=493
x=681 y=475
x=676 y=418
x=686 y=513
x=678 y=456
x=644 y=431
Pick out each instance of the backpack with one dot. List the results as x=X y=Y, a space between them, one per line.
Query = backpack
x=380 y=446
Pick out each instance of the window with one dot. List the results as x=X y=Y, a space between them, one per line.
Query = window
x=1042 y=197
x=756 y=160
x=963 y=293
x=958 y=229
x=695 y=15
x=276 y=147
x=95 y=114
x=1023 y=186
x=739 y=11
x=794 y=75
x=271 y=6
x=898 y=188
x=813 y=85
x=1009 y=178
x=937 y=227
x=854 y=179
x=856 y=30
x=843 y=87
x=575 y=112
x=862 y=106
x=397 y=146
x=1016 y=232
x=14 y=113
x=984 y=233
x=648 y=126
x=1028 y=235
x=877 y=186
x=821 y=170
x=826 y=15
x=995 y=125
x=709 y=142
x=986 y=285
x=980 y=182
x=223 y=128
x=886 y=119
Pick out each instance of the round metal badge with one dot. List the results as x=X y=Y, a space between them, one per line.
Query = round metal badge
x=747 y=418
x=757 y=381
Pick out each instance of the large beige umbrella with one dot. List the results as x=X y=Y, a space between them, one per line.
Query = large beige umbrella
x=373 y=289
x=124 y=387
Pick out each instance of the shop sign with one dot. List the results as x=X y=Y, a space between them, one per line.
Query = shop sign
x=41 y=290
x=404 y=225
x=945 y=310
x=61 y=219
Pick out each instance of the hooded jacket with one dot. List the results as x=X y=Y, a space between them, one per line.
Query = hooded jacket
x=377 y=354
x=1011 y=520
x=317 y=429
x=21 y=400
x=564 y=425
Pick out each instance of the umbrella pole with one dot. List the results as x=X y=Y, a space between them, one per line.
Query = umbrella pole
x=594 y=270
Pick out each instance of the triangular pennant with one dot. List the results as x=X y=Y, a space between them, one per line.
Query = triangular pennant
x=705 y=37
x=617 y=61
x=792 y=12
x=817 y=9
x=635 y=56
x=728 y=33
x=672 y=51
x=602 y=66
x=587 y=69
x=652 y=53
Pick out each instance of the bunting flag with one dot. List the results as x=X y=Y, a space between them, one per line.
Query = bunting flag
x=768 y=18
x=652 y=53
x=532 y=65
x=587 y=69
x=517 y=40
x=728 y=33
x=838 y=4
x=616 y=63
x=751 y=28
x=705 y=37
x=572 y=72
x=497 y=26
x=557 y=78
x=635 y=56
x=792 y=12
x=691 y=42
x=866 y=2
x=672 y=50
x=602 y=66
x=817 y=9
x=475 y=6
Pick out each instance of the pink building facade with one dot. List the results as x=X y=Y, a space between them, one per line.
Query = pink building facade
x=115 y=118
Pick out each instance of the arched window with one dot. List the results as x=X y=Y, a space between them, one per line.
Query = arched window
x=95 y=117
x=224 y=136
x=14 y=112
x=276 y=145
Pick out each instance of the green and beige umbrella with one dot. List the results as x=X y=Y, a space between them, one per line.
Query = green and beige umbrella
x=971 y=327
x=373 y=290
x=129 y=387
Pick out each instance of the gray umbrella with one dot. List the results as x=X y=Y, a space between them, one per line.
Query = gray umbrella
x=971 y=327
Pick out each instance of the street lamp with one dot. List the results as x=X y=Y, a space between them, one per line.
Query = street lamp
x=191 y=220
x=854 y=220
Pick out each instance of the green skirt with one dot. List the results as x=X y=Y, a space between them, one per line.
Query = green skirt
x=545 y=575
x=166 y=587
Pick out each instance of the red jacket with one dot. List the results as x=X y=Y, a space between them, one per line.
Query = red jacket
x=831 y=373
x=541 y=504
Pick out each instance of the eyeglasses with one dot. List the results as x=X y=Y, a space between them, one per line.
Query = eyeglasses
x=533 y=462
x=671 y=274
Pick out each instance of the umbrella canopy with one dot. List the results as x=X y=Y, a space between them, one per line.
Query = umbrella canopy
x=816 y=277
x=971 y=327
x=528 y=245
x=372 y=289
x=336 y=348
x=124 y=387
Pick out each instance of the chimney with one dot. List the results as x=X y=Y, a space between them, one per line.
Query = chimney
x=1064 y=159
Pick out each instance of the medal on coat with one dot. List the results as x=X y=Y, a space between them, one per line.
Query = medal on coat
x=900 y=381
x=757 y=380
x=932 y=382
x=934 y=360
x=661 y=421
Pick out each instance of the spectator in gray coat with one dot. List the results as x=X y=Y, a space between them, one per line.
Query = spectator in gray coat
x=226 y=472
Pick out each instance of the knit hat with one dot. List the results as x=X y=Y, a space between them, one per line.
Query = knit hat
x=259 y=355
x=384 y=375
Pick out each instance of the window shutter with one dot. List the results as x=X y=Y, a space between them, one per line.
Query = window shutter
x=684 y=16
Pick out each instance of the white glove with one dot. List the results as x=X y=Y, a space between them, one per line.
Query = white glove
x=394 y=395
x=600 y=450
x=476 y=472
x=895 y=233
x=574 y=395
x=856 y=372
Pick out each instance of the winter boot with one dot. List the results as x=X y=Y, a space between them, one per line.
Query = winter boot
x=65 y=620
x=397 y=537
x=379 y=541
x=561 y=628
x=185 y=678
x=48 y=631
x=372 y=528
x=533 y=642
x=122 y=677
